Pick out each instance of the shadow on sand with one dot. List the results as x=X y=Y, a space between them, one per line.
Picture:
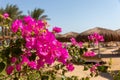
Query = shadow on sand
x=110 y=55
x=106 y=75
x=109 y=75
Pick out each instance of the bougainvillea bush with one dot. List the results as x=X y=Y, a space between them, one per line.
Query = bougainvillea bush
x=33 y=51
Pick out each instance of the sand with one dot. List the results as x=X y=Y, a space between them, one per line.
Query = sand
x=107 y=55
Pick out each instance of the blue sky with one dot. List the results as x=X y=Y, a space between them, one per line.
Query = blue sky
x=74 y=15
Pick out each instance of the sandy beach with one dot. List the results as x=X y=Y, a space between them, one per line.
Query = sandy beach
x=107 y=54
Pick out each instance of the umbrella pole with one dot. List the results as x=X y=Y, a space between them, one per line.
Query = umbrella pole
x=99 y=56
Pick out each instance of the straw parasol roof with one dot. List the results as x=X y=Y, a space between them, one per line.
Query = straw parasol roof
x=60 y=37
x=71 y=34
x=109 y=35
x=118 y=31
x=67 y=36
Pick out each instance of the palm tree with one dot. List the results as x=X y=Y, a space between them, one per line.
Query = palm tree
x=14 y=13
x=12 y=10
x=38 y=14
x=1 y=10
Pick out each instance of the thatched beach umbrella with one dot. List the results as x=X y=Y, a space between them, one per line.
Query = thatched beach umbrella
x=70 y=35
x=60 y=37
x=67 y=36
x=109 y=35
x=118 y=31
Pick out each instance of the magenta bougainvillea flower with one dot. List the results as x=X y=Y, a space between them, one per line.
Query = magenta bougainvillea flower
x=94 y=67
x=5 y=15
x=89 y=54
x=13 y=59
x=16 y=25
x=25 y=59
x=9 y=69
x=41 y=42
x=96 y=38
x=18 y=67
x=80 y=44
x=32 y=64
x=74 y=42
x=57 y=30
x=70 y=67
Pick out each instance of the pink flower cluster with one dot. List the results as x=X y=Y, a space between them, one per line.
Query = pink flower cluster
x=89 y=54
x=70 y=67
x=94 y=67
x=74 y=42
x=96 y=38
x=5 y=15
x=39 y=41
x=57 y=30
x=10 y=68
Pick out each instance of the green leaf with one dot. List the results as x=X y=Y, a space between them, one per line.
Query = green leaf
x=96 y=74
x=18 y=42
x=85 y=68
x=19 y=33
x=102 y=68
x=15 y=78
x=87 y=78
x=44 y=77
x=64 y=71
x=16 y=51
x=57 y=67
x=91 y=74
x=63 y=77
x=82 y=79
x=33 y=76
x=6 y=52
x=2 y=66
x=32 y=57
